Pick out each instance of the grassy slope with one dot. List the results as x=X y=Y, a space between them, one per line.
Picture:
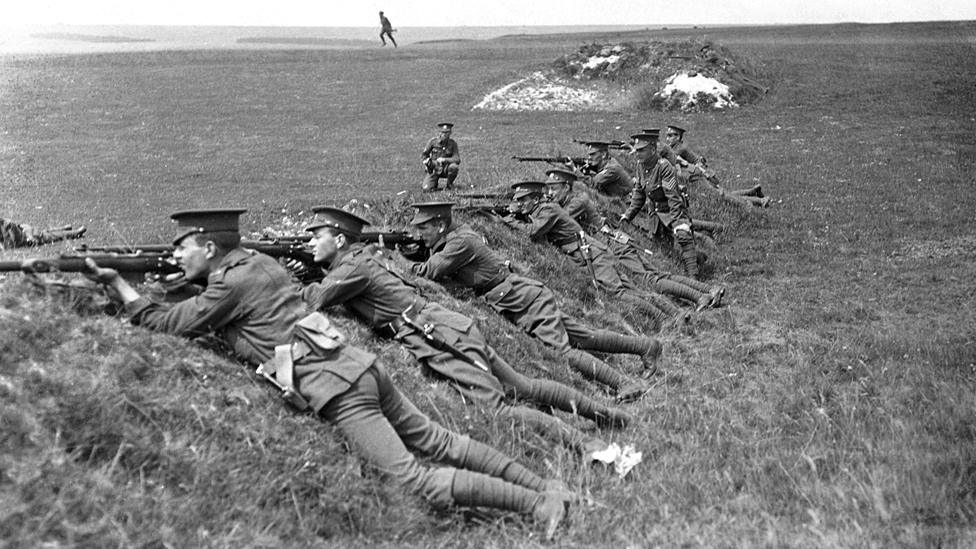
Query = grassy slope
x=829 y=404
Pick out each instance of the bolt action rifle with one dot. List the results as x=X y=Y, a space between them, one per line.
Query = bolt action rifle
x=126 y=264
x=578 y=162
x=615 y=145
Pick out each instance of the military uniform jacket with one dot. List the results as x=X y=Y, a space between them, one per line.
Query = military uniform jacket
x=582 y=209
x=658 y=184
x=463 y=256
x=250 y=302
x=613 y=179
x=549 y=222
x=437 y=149
x=368 y=286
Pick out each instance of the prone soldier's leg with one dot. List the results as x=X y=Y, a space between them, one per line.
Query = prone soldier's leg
x=555 y=394
x=363 y=414
x=418 y=432
x=648 y=349
x=668 y=286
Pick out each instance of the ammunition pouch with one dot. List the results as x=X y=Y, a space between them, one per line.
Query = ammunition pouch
x=312 y=335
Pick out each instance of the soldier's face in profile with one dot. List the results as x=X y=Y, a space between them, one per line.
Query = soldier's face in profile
x=430 y=231
x=672 y=137
x=558 y=191
x=325 y=245
x=193 y=258
x=596 y=158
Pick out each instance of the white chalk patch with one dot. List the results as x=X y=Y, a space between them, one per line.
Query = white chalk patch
x=538 y=92
x=596 y=61
x=693 y=85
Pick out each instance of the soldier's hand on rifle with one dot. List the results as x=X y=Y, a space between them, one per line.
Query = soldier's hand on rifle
x=413 y=252
x=99 y=274
x=514 y=208
x=297 y=268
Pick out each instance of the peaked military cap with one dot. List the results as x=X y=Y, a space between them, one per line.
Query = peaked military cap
x=337 y=218
x=677 y=129
x=206 y=221
x=445 y=125
x=595 y=146
x=526 y=188
x=427 y=211
x=560 y=175
x=647 y=137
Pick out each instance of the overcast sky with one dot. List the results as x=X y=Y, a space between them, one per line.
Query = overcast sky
x=414 y=13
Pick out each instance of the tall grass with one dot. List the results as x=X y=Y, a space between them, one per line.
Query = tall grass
x=829 y=404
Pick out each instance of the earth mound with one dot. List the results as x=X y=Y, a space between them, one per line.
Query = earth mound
x=660 y=76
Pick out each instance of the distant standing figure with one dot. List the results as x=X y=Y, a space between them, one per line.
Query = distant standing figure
x=441 y=158
x=387 y=30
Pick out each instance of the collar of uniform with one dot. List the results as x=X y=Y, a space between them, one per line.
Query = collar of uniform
x=233 y=258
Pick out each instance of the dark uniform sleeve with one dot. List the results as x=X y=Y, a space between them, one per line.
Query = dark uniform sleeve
x=341 y=284
x=612 y=180
x=428 y=148
x=687 y=154
x=216 y=307
x=538 y=225
x=638 y=197
x=445 y=262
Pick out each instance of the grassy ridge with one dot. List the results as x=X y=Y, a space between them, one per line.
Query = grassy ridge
x=830 y=404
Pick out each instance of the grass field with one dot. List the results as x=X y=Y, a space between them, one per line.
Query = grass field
x=830 y=404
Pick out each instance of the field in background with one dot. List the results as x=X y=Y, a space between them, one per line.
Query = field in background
x=830 y=404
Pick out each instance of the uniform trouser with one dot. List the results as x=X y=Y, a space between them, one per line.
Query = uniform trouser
x=533 y=308
x=689 y=252
x=383 y=426
x=743 y=198
x=432 y=180
x=658 y=281
x=388 y=34
x=707 y=226
x=491 y=387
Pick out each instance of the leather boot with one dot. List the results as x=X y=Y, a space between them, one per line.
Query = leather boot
x=550 y=509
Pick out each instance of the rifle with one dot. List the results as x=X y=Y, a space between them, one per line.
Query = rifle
x=615 y=145
x=500 y=195
x=578 y=162
x=128 y=264
x=584 y=247
x=489 y=209
x=287 y=247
